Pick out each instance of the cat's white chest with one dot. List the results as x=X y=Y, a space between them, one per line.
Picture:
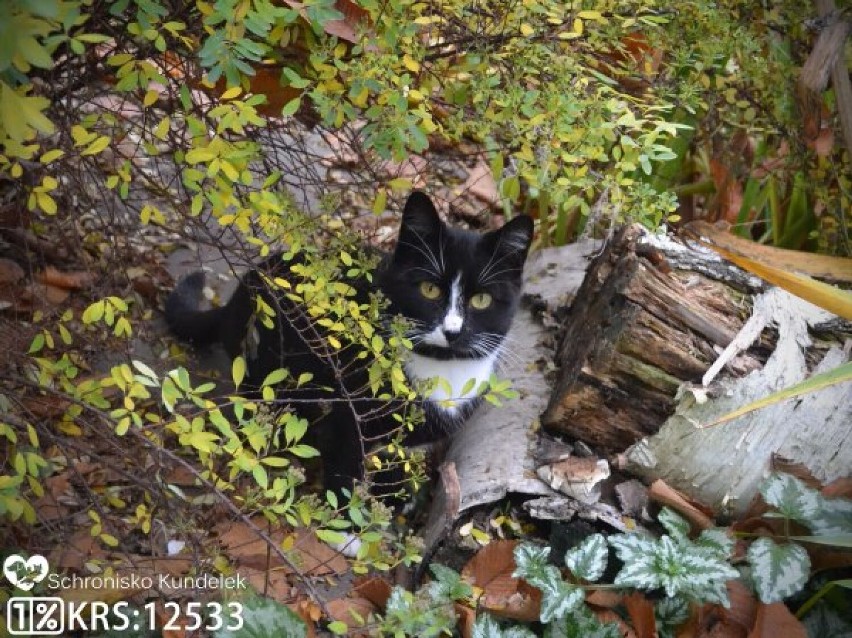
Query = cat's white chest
x=456 y=374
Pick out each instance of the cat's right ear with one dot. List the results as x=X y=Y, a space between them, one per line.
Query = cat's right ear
x=419 y=217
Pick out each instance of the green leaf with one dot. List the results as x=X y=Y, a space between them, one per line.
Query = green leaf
x=679 y=568
x=330 y=536
x=530 y=561
x=291 y=107
x=717 y=540
x=263 y=618
x=22 y=116
x=295 y=429
x=778 y=571
x=486 y=627
x=304 y=451
x=791 y=497
x=676 y=525
x=275 y=377
x=833 y=517
x=201 y=155
x=588 y=560
x=558 y=598
x=338 y=627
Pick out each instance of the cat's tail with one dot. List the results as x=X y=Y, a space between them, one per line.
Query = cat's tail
x=184 y=316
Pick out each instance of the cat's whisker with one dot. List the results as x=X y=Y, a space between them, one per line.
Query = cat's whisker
x=493 y=277
x=493 y=264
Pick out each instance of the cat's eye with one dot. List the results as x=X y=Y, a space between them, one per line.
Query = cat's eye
x=430 y=290
x=480 y=300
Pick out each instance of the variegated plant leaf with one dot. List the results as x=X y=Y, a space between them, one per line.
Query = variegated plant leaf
x=588 y=560
x=680 y=569
x=486 y=627
x=558 y=598
x=778 y=571
x=675 y=524
x=716 y=540
x=530 y=561
x=581 y=624
x=671 y=613
x=791 y=497
x=833 y=517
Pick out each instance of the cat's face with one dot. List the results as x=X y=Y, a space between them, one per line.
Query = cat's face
x=460 y=289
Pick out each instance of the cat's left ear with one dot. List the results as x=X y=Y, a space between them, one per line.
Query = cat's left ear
x=515 y=237
x=420 y=216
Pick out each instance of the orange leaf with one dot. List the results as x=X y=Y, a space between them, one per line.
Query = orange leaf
x=641 y=611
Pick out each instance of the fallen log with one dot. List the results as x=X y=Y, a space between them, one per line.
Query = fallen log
x=659 y=338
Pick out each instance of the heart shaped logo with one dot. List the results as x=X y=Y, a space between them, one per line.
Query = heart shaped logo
x=24 y=574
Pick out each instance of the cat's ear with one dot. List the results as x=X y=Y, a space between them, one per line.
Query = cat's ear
x=419 y=217
x=514 y=238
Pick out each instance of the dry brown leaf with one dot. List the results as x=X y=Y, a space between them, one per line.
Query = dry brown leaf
x=743 y=609
x=779 y=463
x=343 y=609
x=491 y=570
x=641 y=611
x=663 y=493
x=604 y=598
x=466 y=619
x=48 y=506
x=308 y=554
x=10 y=272
x=729 y=192
x=74 y=280
x=39 y=296
x=73 y=552
x=274 y=584
x=839 y=488
x=375 y=589
x=776 y=621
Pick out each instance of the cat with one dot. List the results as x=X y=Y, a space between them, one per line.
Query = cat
x=459 y=291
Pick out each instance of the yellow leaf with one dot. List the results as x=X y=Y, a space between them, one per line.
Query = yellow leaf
x=97 y=146
x=410 y=63
x=46 y=203
x=162 y=129
x=54 y=154
x=231 y=93
x=238 y=371
x=591 y=15
x=527 y=30
x=400 y=184
x=151 y=96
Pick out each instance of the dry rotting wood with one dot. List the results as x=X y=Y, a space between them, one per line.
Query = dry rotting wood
x=636 y=331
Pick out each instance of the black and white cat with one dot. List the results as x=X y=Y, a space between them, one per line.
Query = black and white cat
x=459 y=291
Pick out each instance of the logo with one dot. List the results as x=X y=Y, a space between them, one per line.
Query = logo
x=24 y=574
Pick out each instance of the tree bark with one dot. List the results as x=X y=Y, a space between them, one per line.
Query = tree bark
x=637 y=331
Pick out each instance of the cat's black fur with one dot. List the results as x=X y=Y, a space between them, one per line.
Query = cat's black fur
x=459 y=262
